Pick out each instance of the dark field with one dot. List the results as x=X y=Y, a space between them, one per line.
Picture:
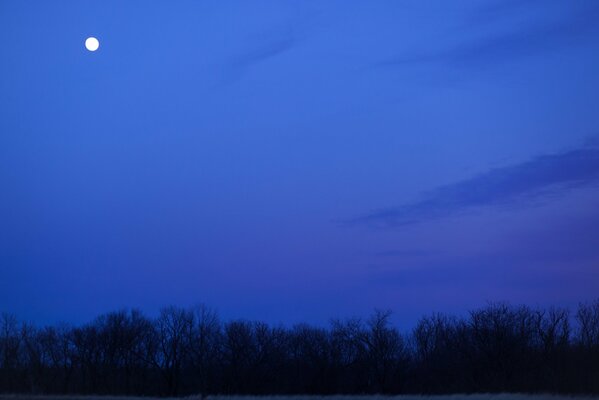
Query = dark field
x=482 y=396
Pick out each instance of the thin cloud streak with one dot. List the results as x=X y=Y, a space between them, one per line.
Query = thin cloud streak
x=518 y=184
x=265 y=52
x=501 y=47
x=406 y=253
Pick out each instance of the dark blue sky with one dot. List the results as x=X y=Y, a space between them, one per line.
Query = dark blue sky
x=297 y=160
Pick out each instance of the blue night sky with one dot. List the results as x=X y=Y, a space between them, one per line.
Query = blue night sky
x=297 y=160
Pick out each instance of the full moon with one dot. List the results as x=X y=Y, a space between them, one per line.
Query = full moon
x=92 y=44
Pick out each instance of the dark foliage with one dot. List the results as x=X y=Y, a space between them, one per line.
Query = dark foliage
x=499 y=348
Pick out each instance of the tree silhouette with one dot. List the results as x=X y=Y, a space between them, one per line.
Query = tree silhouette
x=496 y=348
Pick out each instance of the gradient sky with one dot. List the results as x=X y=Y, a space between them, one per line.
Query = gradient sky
x=297 y=160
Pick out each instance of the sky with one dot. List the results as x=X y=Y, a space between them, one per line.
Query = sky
x=294 y=161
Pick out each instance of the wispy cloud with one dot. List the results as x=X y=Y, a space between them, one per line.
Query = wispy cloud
x=263 y=52
x=262 y=47
x=406 y=253
x=501 y=9
x=592 y=141
x=537 y=36
x=517 y=184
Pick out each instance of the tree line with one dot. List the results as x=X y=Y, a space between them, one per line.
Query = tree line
x=497 y=348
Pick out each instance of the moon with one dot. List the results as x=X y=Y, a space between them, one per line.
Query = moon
x=92 y=44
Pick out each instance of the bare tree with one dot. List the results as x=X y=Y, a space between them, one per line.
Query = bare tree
x=239 y=351
x=174 y=327
x=588 y=320
x=310 y=359
x=204 y=344
x=386 y=352
x=349 y=353
x=553 y=328
x=495 y=348
x=58 y=346
x=10 y=342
